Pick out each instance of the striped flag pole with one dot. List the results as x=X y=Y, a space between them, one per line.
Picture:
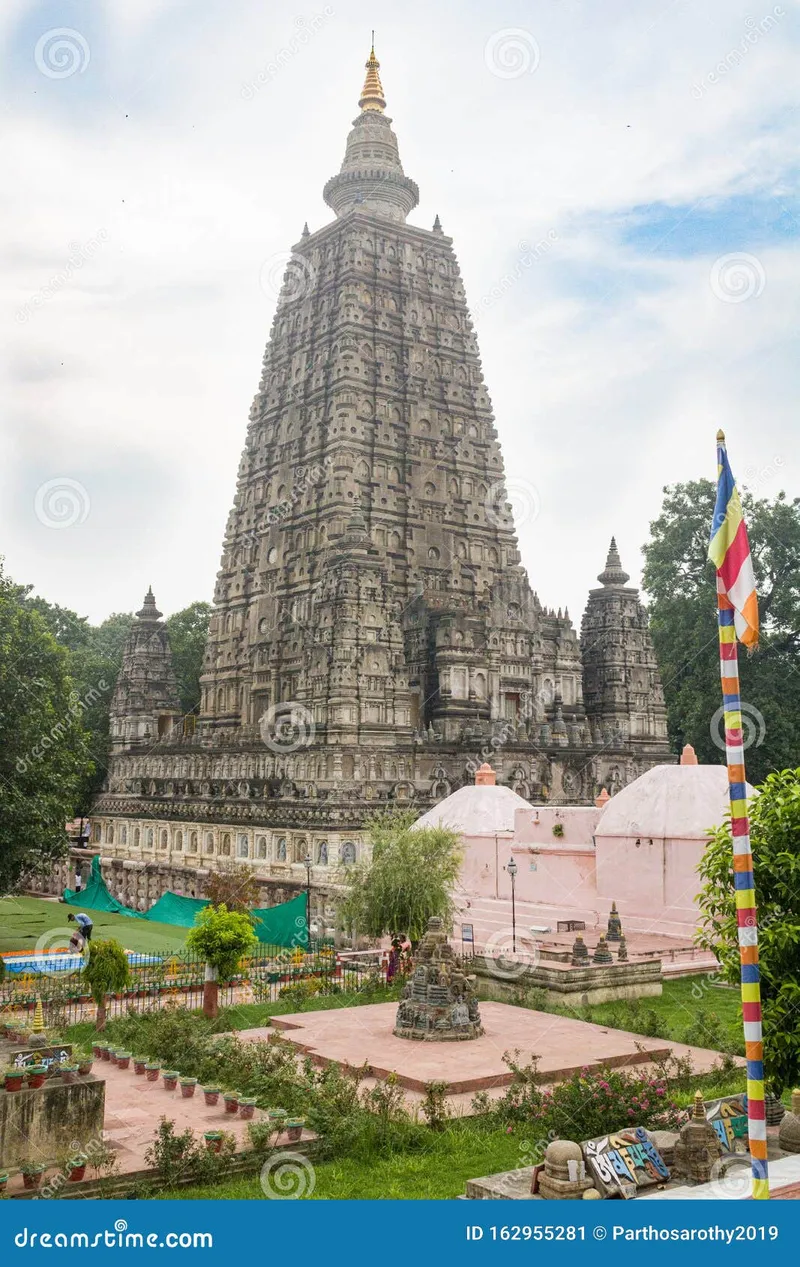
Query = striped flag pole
x=743 y=880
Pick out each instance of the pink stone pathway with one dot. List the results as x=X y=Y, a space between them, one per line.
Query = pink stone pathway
x=351 y=1036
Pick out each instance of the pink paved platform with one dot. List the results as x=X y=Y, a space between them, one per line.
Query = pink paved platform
x=351 y=1036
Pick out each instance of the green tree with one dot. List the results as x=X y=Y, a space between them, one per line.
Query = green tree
x=410 y=878
x=775 y=842
x=221 y=937
x=44 y=753
x=187 y=637
x=106 y=972
x=681 y=585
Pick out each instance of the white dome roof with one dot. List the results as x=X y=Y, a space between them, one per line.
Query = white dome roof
x=678 y=802
x=476 y=810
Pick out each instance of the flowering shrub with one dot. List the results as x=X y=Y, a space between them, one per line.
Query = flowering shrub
x=589 y=1103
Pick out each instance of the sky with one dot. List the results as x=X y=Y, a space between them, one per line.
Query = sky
x=620 y=181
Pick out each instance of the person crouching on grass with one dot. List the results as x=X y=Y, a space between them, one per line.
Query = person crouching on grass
x=85 y=925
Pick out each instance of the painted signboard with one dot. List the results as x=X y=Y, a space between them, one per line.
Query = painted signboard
x=624 y=1162
x=728 y=1116
x=41 y=1056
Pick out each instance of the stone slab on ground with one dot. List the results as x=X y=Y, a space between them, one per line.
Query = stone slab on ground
x=355 y=1035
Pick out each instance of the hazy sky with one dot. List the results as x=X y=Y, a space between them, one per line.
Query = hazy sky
x=161 y=157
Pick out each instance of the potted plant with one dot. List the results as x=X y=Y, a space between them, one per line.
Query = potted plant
x=294 y=1128
x=85 y=1063
x=278 y=1118
x=211 y=1096
x=76 y=1168
x=112 y=1055
x=32 y=1172
x=13 y=1078
x=3 y=1181
x=37 y=1075
x=97 y=1051
x=170 y=1077
x=139 y=1064
x=69 y=1073
x=213 y=1140
x=231 y=1099
x=152 y=1070
x=247 y=1106
x=187 y=1087
x=123 y=1059
x=105 y=1052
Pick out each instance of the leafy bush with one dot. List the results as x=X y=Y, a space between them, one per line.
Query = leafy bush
x=434 y=1107
x=299 y=992
x=178 y=1157
x=221 y=937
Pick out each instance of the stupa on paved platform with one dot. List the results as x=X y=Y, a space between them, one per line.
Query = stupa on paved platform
x=374 y=629
x=439 y=1003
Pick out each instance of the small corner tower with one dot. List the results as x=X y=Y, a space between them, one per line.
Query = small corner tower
x=145 y=701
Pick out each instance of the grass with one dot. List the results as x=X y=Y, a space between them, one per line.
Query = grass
x=24 y=920
x=683 y=1000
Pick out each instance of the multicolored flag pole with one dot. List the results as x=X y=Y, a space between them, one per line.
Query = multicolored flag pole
x=737 y=618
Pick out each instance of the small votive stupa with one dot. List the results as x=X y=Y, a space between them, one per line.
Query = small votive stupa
x=439 y=1003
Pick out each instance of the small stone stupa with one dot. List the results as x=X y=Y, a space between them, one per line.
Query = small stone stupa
x=614 y=930
x=602 y=954
x=580 y=953
x=439 y=1003
x=698 y=1145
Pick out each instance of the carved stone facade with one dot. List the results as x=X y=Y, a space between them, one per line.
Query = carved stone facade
x=375 y=637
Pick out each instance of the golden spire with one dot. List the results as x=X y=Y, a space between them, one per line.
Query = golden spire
x=372 y=97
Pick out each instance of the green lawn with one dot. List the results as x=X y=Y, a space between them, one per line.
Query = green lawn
x=23 y=920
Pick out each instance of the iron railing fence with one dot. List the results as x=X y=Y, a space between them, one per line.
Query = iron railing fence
x=159 y=977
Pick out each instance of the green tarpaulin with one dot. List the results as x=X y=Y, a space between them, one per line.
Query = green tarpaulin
x=284 y=925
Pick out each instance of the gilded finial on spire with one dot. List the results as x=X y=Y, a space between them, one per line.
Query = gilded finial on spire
x=372 y=97
x=720 y=437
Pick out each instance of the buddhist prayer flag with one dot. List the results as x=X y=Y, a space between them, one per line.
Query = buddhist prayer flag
x=737 y=617
x=729 y=551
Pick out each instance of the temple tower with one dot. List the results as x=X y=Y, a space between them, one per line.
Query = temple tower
x=145 y=702
x=621 y=683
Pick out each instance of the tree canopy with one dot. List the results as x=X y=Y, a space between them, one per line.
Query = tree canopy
x=221 y=937
x=680 y=583
x=411 y=877
x=775 y=843
x=187 y=631
x=44 y=751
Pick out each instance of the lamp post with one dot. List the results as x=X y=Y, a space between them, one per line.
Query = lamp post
x=308 y=864
x=512 y=868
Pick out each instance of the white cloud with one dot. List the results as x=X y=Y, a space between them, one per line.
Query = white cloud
x=610 y=366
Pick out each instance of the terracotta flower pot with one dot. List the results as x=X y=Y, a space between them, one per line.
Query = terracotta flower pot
x=76 y=1173
x=152 y=1072
x=33 y=1178
x=3 y=1180
x=213 y=1140
x=13 y=1081
x=211 y=1095
x=187 y=1087
x=37 y=1076
x=139 y=1066
x=105 y=1053
x=294 y=1130
x=85 y=1067
x=97 y=1049
x=247 y=1108
x=69 y=1074
x=170 y=1079
x=123 y=1059
x=232 y=1103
